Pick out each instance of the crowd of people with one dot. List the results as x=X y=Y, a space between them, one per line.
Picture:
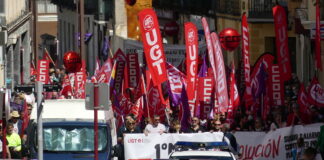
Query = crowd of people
x=17 y=129
x=279 y=117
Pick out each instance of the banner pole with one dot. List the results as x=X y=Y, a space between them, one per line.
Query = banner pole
x=96 y=101
x=146 y=99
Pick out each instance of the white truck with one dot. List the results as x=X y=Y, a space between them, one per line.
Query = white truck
x=68 y=131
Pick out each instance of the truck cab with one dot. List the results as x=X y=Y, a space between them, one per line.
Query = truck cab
x=68 y=131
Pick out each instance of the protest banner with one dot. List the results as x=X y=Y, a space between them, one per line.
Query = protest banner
x=274 y=145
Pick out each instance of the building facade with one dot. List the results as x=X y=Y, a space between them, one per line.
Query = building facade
x=16 y=53
x=98 y=23
x=46 y=28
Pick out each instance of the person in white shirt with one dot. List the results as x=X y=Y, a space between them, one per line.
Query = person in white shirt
x=155 y=127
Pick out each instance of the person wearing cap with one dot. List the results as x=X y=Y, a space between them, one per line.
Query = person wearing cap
x=14 y=141
x=16 y=121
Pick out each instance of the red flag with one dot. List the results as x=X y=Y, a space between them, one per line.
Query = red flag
x=66 y=87
x=105 y=72
x=192 y=58
x=153 y=47
x=43 y=71
x=154 y=100
x=234 y=96
x=33 y=71
x=97 y=69
x=79 y=83
x=276 y=86
x=316 y=93
x=266 y=60
x=318 y=60
x=303 y=101
x=280 y=21
x=221 y=83
x=120 y=67
x=204 y=96
x=246 y=60
x=25 y=119
x=209 y=47
x=137 y=108
x=48 y=57
x=133 y=70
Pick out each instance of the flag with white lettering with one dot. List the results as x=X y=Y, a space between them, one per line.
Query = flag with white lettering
x=191 y=38
x=209 y=47
x=280 y=21
x=276 y=86
x=43 y=71
x=246 y=60
x=176 y=81
x=221 y=83
x=133 y=70
x=153 y=48
x=316 y=93
x=318 y=59
x=204 y=96
x=120 y=59
x=79 y=83
x=105 y=71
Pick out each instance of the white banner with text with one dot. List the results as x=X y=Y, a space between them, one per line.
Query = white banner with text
x=278 y=144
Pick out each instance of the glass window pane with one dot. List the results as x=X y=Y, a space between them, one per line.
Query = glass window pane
x=1 y=6
x=73 y=139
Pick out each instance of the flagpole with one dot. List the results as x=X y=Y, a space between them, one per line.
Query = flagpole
x=145 y=93
x=49 y=56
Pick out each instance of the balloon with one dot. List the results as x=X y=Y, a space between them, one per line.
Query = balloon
x=230 y=39
x=72 y=62
x=130 y=2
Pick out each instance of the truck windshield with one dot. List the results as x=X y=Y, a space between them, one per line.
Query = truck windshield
x=73 y=139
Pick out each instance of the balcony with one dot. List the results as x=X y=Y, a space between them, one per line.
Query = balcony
x=229 y=7
x=200 y=7
x=260 y=9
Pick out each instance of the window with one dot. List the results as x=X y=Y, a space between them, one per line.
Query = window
x=45 y=6
x=2 y=3
x=74 y=139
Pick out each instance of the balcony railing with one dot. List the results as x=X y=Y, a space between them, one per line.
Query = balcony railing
x=231 y=7
x=200 y=7
x=261 y=9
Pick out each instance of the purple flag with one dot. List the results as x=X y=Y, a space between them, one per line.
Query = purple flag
x=203 y=69
x=105 y=47
x=185 y=119
x=176 y=81
x=259 y=82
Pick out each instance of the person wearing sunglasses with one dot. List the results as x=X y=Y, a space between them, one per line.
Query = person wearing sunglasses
x=195 y=126
x=130 y=128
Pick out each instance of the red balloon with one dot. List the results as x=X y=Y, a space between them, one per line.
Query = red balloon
x=130 y=2
x=72 y=62
x=230 y=39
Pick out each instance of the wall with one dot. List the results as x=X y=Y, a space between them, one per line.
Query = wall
x=14 y=9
